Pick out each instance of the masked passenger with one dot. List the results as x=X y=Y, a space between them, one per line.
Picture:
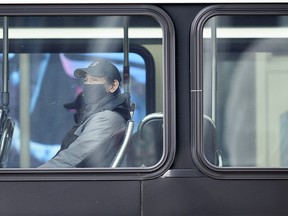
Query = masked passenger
x=96 y=138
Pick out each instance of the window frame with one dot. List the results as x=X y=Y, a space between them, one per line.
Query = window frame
x=196 y=92
x=169 y=105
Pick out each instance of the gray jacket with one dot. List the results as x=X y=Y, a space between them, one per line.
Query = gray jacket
x=98 y=141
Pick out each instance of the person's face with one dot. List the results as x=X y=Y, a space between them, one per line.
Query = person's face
x=110 y=87
x=94 y=80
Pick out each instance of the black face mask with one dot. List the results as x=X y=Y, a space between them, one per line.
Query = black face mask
x=93 y=93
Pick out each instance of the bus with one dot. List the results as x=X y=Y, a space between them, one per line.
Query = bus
x=208 y=133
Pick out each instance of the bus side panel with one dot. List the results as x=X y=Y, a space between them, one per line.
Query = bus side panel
x=205 y=196
x=70 y=198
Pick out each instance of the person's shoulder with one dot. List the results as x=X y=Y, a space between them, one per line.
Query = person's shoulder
x=112 y=115
x=104 y=120
x=108 y=115
x=108 y=119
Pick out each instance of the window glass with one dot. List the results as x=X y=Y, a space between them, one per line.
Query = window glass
x=49 y=132
x=245 y=91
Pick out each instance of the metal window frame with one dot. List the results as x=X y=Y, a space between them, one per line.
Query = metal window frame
x=169 y=108
x=196 y=92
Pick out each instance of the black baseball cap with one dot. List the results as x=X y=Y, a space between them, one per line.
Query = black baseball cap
x=99 y=68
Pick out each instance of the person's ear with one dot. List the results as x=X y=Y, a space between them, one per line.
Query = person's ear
x=114 y=86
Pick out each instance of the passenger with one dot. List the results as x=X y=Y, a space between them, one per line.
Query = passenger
x=96 y=138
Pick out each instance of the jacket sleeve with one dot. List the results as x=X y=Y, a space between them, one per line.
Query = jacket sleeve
x=97 y=132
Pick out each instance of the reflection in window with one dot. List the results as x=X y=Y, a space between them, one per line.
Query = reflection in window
x=245 y=84
x=50 y=57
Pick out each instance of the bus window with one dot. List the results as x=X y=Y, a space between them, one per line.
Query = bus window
x=44 y=52
x=245 y=91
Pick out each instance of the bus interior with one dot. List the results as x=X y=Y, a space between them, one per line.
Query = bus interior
x=43 y=53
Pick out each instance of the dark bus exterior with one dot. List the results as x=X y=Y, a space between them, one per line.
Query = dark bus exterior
x=210 y=132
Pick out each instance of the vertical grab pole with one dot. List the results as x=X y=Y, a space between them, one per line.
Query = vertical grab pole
x=126 y=81
x=5 y=78
x=6 y=123
x=126 y=68
x=214 y=66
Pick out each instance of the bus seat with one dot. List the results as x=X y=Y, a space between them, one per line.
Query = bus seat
x=126 y=140
x=146 y=147
x=5 y=141
x=211 y=151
